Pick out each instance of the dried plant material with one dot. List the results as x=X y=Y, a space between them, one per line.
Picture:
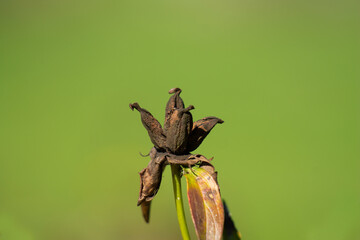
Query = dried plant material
x=178 y=123
x=145 y=209
x=150 y=177
x=175 y=101
x=152 y=125
x=179 y=134
x=206 y=207
x=196 y=203
x=177 y=129
x=200 y=130
x=172 y=145
x=188 y=160
x=230 y=231
x=207 y=166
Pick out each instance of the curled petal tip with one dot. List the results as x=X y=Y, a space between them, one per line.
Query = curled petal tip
x=174 y=90
x=134 y=105
x=218 y=120
x=131 y=107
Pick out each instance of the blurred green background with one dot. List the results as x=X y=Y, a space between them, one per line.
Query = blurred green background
x=284 y=75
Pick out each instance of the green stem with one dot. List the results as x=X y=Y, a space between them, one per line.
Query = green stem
x=175 y=172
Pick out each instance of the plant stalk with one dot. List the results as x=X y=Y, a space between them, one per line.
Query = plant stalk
x=175 y=173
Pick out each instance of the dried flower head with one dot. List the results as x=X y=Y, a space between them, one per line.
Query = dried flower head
x=173 y=144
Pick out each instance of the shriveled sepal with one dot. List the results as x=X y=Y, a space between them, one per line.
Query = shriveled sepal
x=150 y=177
x=188 y=160
x=152 y=126
x=200 y=130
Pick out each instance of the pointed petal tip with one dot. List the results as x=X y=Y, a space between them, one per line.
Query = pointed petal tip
x=174 y=90
x=145 y=209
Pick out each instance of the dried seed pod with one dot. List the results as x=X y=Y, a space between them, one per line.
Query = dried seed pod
x=177 y=129
x=153 y=127
x=200 y=130
x=150 y=177
x=175 y=102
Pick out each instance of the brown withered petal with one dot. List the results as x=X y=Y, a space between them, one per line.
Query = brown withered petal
x=150 y=177
x=200 y=130
x=152 y=126
x=177 y=129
